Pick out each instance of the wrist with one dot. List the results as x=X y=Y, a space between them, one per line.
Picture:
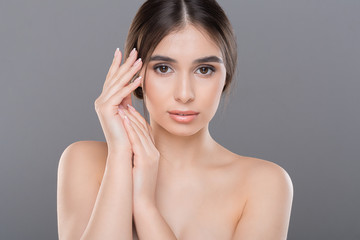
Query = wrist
x=119 y=156
x=119 y=151
x=142 y=205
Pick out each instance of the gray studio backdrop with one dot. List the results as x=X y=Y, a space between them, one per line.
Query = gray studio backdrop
x=296 y=102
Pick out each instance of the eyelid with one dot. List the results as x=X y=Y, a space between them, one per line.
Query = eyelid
x=210 y=67
x=156 y=67
x=206 y=66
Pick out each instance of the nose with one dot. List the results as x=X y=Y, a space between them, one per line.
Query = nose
x=184 y=89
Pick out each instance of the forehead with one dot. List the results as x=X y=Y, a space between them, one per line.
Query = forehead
x=188 y=42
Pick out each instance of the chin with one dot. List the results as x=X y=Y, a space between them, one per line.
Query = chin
x=183 y=133
x=185 y=130
x=181 y=130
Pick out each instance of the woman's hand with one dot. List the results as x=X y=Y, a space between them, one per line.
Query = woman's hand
x=116 y=92
x=146 y=156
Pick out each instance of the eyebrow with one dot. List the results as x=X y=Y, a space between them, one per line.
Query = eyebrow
x=200 y=60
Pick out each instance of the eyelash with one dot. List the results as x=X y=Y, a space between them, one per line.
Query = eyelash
x=211 y=68
x=157 y=68
x=208 y=67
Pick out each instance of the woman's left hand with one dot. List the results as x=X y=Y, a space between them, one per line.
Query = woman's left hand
x=145 y=156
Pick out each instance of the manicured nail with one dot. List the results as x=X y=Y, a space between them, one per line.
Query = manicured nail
x=137 y=62
x=131 y=108
x=121 y=112
x=127 y=119
x=132 y=52
x=137 y=79
x=116 y=52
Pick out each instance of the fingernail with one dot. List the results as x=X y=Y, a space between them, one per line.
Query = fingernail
x=121 y=112
x=131 y=108
x=127 y=119
x=121 y=106
x=137 y=62
x=116 y=52
x=132 y=52
x=137 y=80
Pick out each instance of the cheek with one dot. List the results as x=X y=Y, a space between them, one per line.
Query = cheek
x=212 y=90
x=157 y=91
x=209 y=99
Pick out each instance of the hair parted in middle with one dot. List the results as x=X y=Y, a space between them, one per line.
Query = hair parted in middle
x=156 y=19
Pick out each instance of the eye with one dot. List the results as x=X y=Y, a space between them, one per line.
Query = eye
x=205 y=70
x=162 y=69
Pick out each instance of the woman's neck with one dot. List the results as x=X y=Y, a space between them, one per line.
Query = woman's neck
x=183 y=151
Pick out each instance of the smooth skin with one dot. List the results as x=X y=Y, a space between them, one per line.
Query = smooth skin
x=172 y=180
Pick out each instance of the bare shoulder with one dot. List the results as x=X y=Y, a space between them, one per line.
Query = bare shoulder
x=265 y=174
x=85 y=156
x=268 y=191
x=87 y=147
x=80 y=172
x=256 y=173
x=262 y=174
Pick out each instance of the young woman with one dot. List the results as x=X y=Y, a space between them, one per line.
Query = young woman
x=169 y=179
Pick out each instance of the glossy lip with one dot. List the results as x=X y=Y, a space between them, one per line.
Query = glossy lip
x=188 y=117
x=177 y=112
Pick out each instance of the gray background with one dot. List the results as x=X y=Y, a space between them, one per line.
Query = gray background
x=296 y=102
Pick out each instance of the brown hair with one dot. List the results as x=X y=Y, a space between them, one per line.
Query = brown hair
x=157 y=18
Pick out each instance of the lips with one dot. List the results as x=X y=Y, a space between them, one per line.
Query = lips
x=183 y=113
x=183 y=116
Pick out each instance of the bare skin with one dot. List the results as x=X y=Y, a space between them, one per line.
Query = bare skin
x=200 y=203
x=184 y=184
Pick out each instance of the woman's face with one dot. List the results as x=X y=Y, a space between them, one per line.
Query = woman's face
x=185 y=73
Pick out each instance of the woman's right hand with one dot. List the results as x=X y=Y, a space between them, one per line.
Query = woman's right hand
x=117 y=92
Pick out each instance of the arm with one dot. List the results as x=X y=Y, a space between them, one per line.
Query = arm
x=88 y=209
x=100 y=207
x=267 y=211
x=150 y=224
x=148 y=220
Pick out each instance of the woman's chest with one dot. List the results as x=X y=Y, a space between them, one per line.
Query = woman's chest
x=200 y=206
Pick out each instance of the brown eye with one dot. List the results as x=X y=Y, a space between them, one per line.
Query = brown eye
x=162 y=69
x=205 y=70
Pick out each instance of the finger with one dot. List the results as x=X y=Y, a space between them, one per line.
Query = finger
x=117 y=97
x=125 y=79
x=125 y=67
x=136 y=142
x=137 y=124
x=114 y=66
x=144 y=123
x=138 y=116
x=139 y=128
